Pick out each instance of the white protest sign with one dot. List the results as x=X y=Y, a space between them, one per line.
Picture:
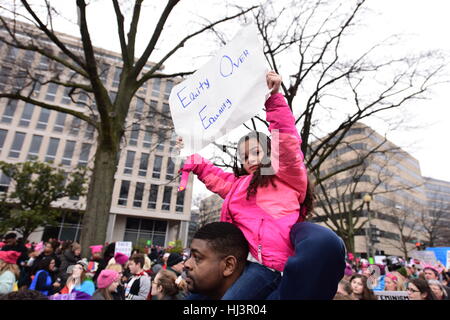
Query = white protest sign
x=227 y=91
x=448 y=260
x=392 y=295
x=124 y=247
x=425 y=257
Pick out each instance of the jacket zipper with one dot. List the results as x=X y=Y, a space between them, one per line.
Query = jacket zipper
x=259 y=241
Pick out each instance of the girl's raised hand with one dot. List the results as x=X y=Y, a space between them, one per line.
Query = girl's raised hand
x=273 y=81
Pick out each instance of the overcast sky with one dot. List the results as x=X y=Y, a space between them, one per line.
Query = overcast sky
x=425 y=25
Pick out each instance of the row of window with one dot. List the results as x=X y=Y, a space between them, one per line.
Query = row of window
x=143 y=165
x=28 y=57
x=152 y=192
x=43 y=119
x=76 y=124
x=53 y=145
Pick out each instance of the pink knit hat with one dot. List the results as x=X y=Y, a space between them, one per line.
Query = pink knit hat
x=348 y=270
x=96 y=249
x=120 y=258
x=9 y=256
x=107 y=277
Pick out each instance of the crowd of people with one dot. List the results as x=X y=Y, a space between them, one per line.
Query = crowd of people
x=420 y=280
x=263 y=249
x=55 y=270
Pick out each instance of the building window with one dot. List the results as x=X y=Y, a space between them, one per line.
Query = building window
x=157 y=167
x=28 y=58
x=104 y=69
x=180 y=201
x=90 y=131
x=4 y=77
x=35 y=147
x=156 y=87
x=152 y=110
x=75 y=127
x=69 y=228
x=3 y=134
x=82 y=100
x=19 y=80
x=160 y=139
x=147 y=137
x=170 y=169
x=169 y=86
x=153 y=196
x=112 y=96
x=68 y=152
x=37 y=85
x=4 y=182
x=129 y=162
x=123 y=195
x=44 y=63
x=66 y=97
x=138 y=194
x=11 y=54
x=134 y=135
x=166 y=198
x=52 y=149
x=43 y=119
x=9 y=112
x=51 y=92
x=116 y=79
x=27 y=114
x=140 y=231
x=84 y=155
x=165 y=117
x=143 y=164
x=60 y=122
x=139 y=108
x=17 y=144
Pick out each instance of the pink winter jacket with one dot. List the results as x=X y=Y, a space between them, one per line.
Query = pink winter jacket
x=267 y=218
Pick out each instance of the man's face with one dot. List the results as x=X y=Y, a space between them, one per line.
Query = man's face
x=134 y=268
x=11 y=241
x=178 y=267
x=430 y=275
x=204 y=269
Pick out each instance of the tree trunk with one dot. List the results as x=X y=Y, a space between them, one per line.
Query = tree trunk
x=349 y=243
x=95 y=219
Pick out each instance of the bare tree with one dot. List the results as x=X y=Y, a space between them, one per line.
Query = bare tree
x=406 y=222
x=330 y=91
x=110 y=114
x=435 y=223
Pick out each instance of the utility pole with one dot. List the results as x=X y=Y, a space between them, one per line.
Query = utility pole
x=367 y=199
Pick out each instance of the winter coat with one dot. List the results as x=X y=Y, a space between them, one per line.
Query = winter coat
x=67 y=258
x=266 y=218
x=7 y=280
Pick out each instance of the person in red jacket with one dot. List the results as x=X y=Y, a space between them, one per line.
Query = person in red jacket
x=265 y=198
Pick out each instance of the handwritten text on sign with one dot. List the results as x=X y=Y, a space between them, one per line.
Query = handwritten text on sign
x=223 y=94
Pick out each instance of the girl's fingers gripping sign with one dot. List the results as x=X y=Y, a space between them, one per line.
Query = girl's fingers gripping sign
x=273 y=81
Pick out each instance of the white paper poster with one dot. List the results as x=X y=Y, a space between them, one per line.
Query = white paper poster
x=124 y=247
x=227 y=91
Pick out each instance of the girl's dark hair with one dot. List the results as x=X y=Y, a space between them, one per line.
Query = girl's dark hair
x=423 y=287
x=263 y=180
x=367 y=294
x=258 y=180
x=44 y=264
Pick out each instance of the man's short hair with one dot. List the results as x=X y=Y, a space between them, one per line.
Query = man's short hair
x=225 y=239
x=10 y=235
x=138 y=258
